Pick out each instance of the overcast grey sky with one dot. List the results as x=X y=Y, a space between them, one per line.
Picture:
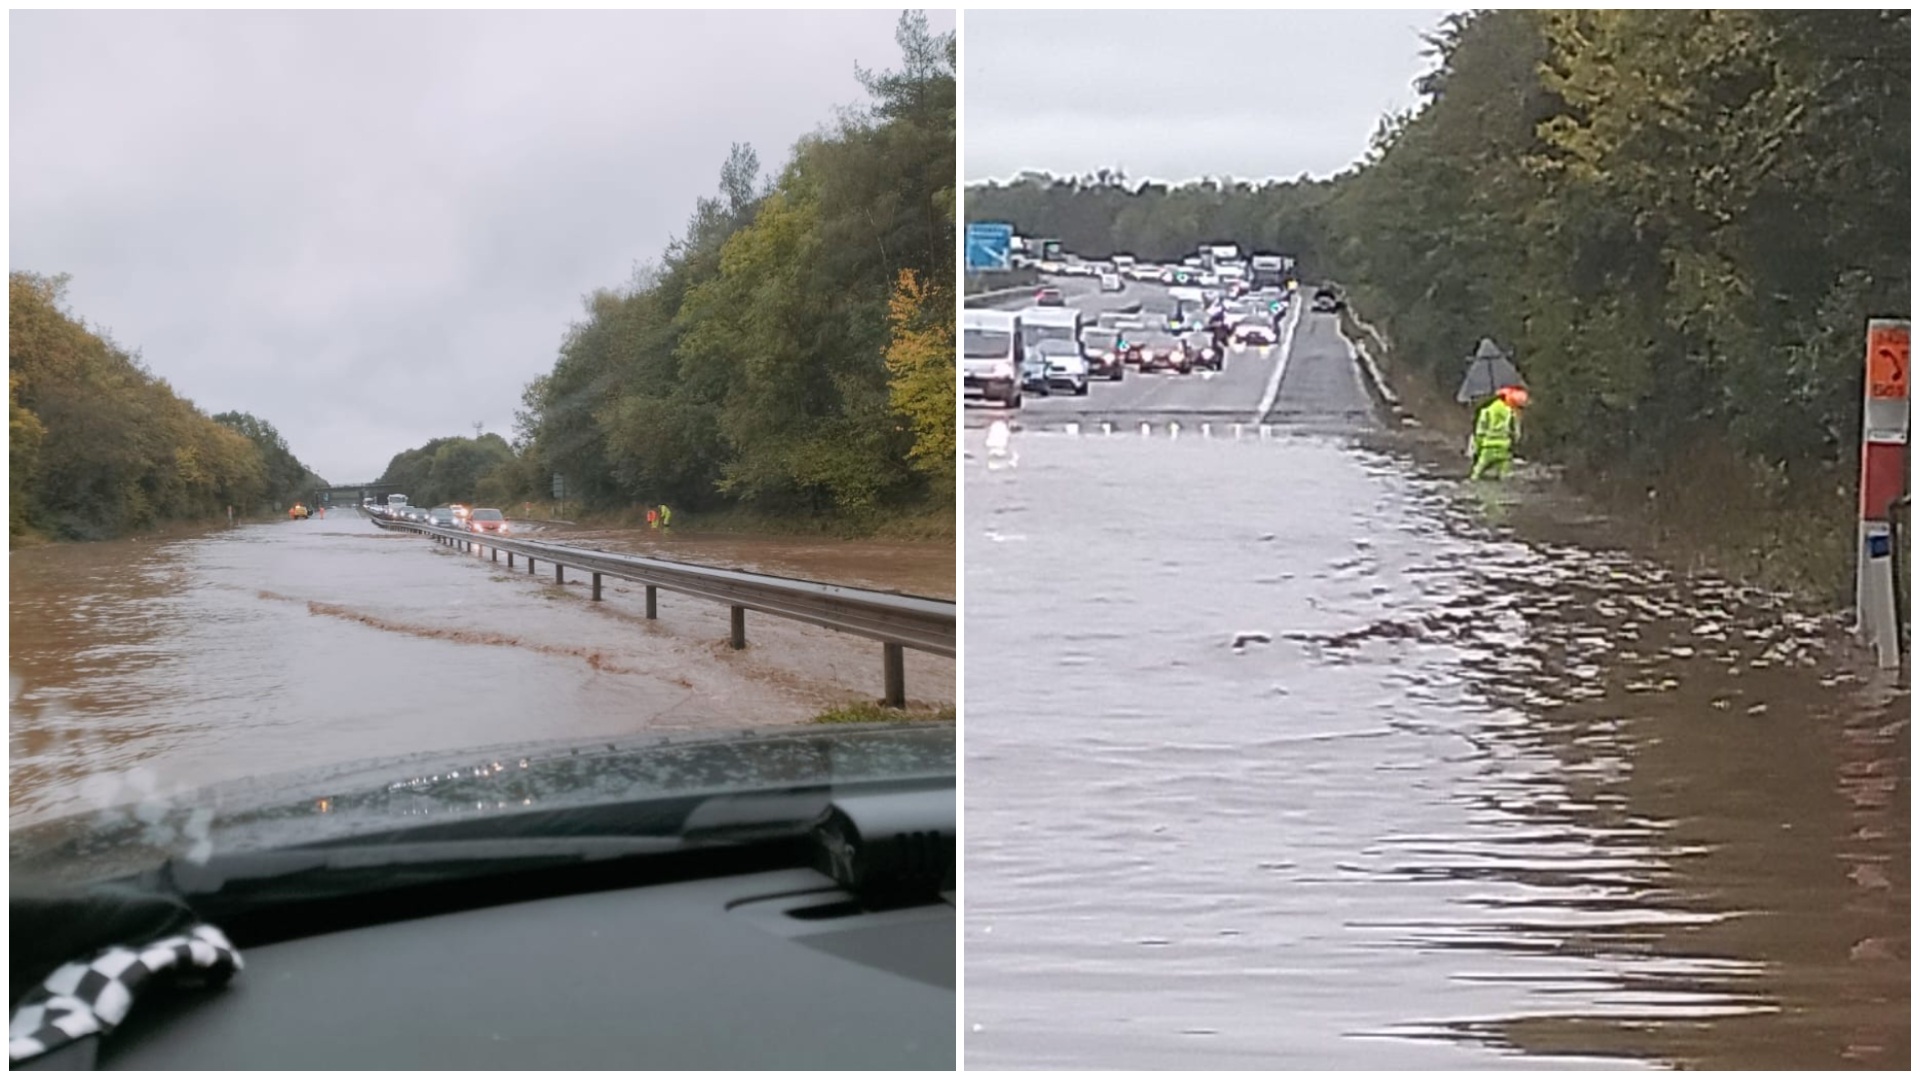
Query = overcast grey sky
x=1176 y=95
x=373 y=229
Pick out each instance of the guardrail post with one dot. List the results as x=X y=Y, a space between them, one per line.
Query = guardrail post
x=509 y=560
x=529 y=564
x=653 y=601
x=559 y=574
x=739 y=627
x=596 y=586
x=896 y=665
x=496 y=554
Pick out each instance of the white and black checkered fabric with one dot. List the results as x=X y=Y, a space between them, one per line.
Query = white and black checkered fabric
x=90 y=998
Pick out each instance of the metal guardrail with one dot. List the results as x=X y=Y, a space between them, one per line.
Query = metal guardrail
x=895 y=620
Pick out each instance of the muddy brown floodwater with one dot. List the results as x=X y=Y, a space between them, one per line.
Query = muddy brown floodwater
x=143 y=667
x=1494 y=791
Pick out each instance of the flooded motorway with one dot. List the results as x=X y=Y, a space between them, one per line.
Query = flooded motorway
x=143 y=667
x=1492 y=792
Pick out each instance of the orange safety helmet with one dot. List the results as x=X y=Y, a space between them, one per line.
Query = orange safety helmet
x=1514 y=396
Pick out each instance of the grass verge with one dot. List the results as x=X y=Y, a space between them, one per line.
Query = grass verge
x=933 y=520
x=1702 y=510
x=870 y=713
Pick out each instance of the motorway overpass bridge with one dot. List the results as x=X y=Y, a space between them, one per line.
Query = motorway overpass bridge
x=351 y=494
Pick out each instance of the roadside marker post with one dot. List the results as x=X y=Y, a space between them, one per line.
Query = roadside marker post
x=1883 y=480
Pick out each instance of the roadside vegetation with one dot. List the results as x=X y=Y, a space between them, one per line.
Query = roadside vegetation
x=871 y=713
x=1678 y=221
x=99 y=446
x=790 y=357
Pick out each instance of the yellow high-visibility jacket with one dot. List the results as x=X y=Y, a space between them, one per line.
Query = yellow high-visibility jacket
x=1494 y=428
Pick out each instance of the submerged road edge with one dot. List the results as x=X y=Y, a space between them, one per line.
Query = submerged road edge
x=1280 y=366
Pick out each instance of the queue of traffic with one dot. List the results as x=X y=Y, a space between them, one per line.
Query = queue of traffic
x=452 y=516
x=1050 y=347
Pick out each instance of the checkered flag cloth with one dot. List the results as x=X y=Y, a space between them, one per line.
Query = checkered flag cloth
x=90 y=998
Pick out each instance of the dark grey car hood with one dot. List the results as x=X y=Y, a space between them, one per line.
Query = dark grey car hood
x=482 y=786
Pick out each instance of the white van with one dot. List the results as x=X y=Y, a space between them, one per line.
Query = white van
x=1039 y=324
x=991 y=352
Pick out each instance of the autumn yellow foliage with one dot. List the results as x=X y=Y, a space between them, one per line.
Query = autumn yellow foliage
x=921 y=365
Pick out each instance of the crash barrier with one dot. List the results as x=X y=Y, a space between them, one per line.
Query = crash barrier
x=1001 y=281
x=982 y=299
x=1369 y=366
x=898 y=622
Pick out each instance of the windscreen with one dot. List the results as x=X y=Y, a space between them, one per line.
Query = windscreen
x=304 y=619
x=986 y=344
x=1035 y=333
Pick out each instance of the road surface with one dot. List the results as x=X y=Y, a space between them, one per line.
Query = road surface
x=140 y=666
x=1494 y=791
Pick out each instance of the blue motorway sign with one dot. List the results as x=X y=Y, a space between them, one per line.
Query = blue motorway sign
x=989 y=246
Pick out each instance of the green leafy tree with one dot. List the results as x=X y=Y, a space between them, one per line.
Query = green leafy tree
x=749 y=366
x=99 y=445
x=1680 y=220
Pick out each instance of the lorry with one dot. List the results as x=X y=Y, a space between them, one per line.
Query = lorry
x=1271 y=271
x=1214 y=256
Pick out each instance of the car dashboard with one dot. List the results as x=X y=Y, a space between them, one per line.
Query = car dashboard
x=773 y=970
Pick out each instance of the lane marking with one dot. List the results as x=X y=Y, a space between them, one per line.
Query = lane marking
x=1294 y=314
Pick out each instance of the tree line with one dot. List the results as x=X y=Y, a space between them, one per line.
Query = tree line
x=99 y=446
x=454 y=469
x=791 y=354
x=1679 y=222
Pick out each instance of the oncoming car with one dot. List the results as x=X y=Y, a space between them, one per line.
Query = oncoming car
x=1111 y=282
x=1254 y=331
x=1049 y=296
x=991 y=355
x=1108 y=353
x=1066 y=366
x=1205 y=354
x=1163 y=352
x=487 y=520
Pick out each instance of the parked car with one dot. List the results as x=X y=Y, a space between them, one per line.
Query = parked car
x=1111 y=282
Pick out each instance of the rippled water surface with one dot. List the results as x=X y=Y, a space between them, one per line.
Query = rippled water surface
x=1492 y=793
x=143 y=667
